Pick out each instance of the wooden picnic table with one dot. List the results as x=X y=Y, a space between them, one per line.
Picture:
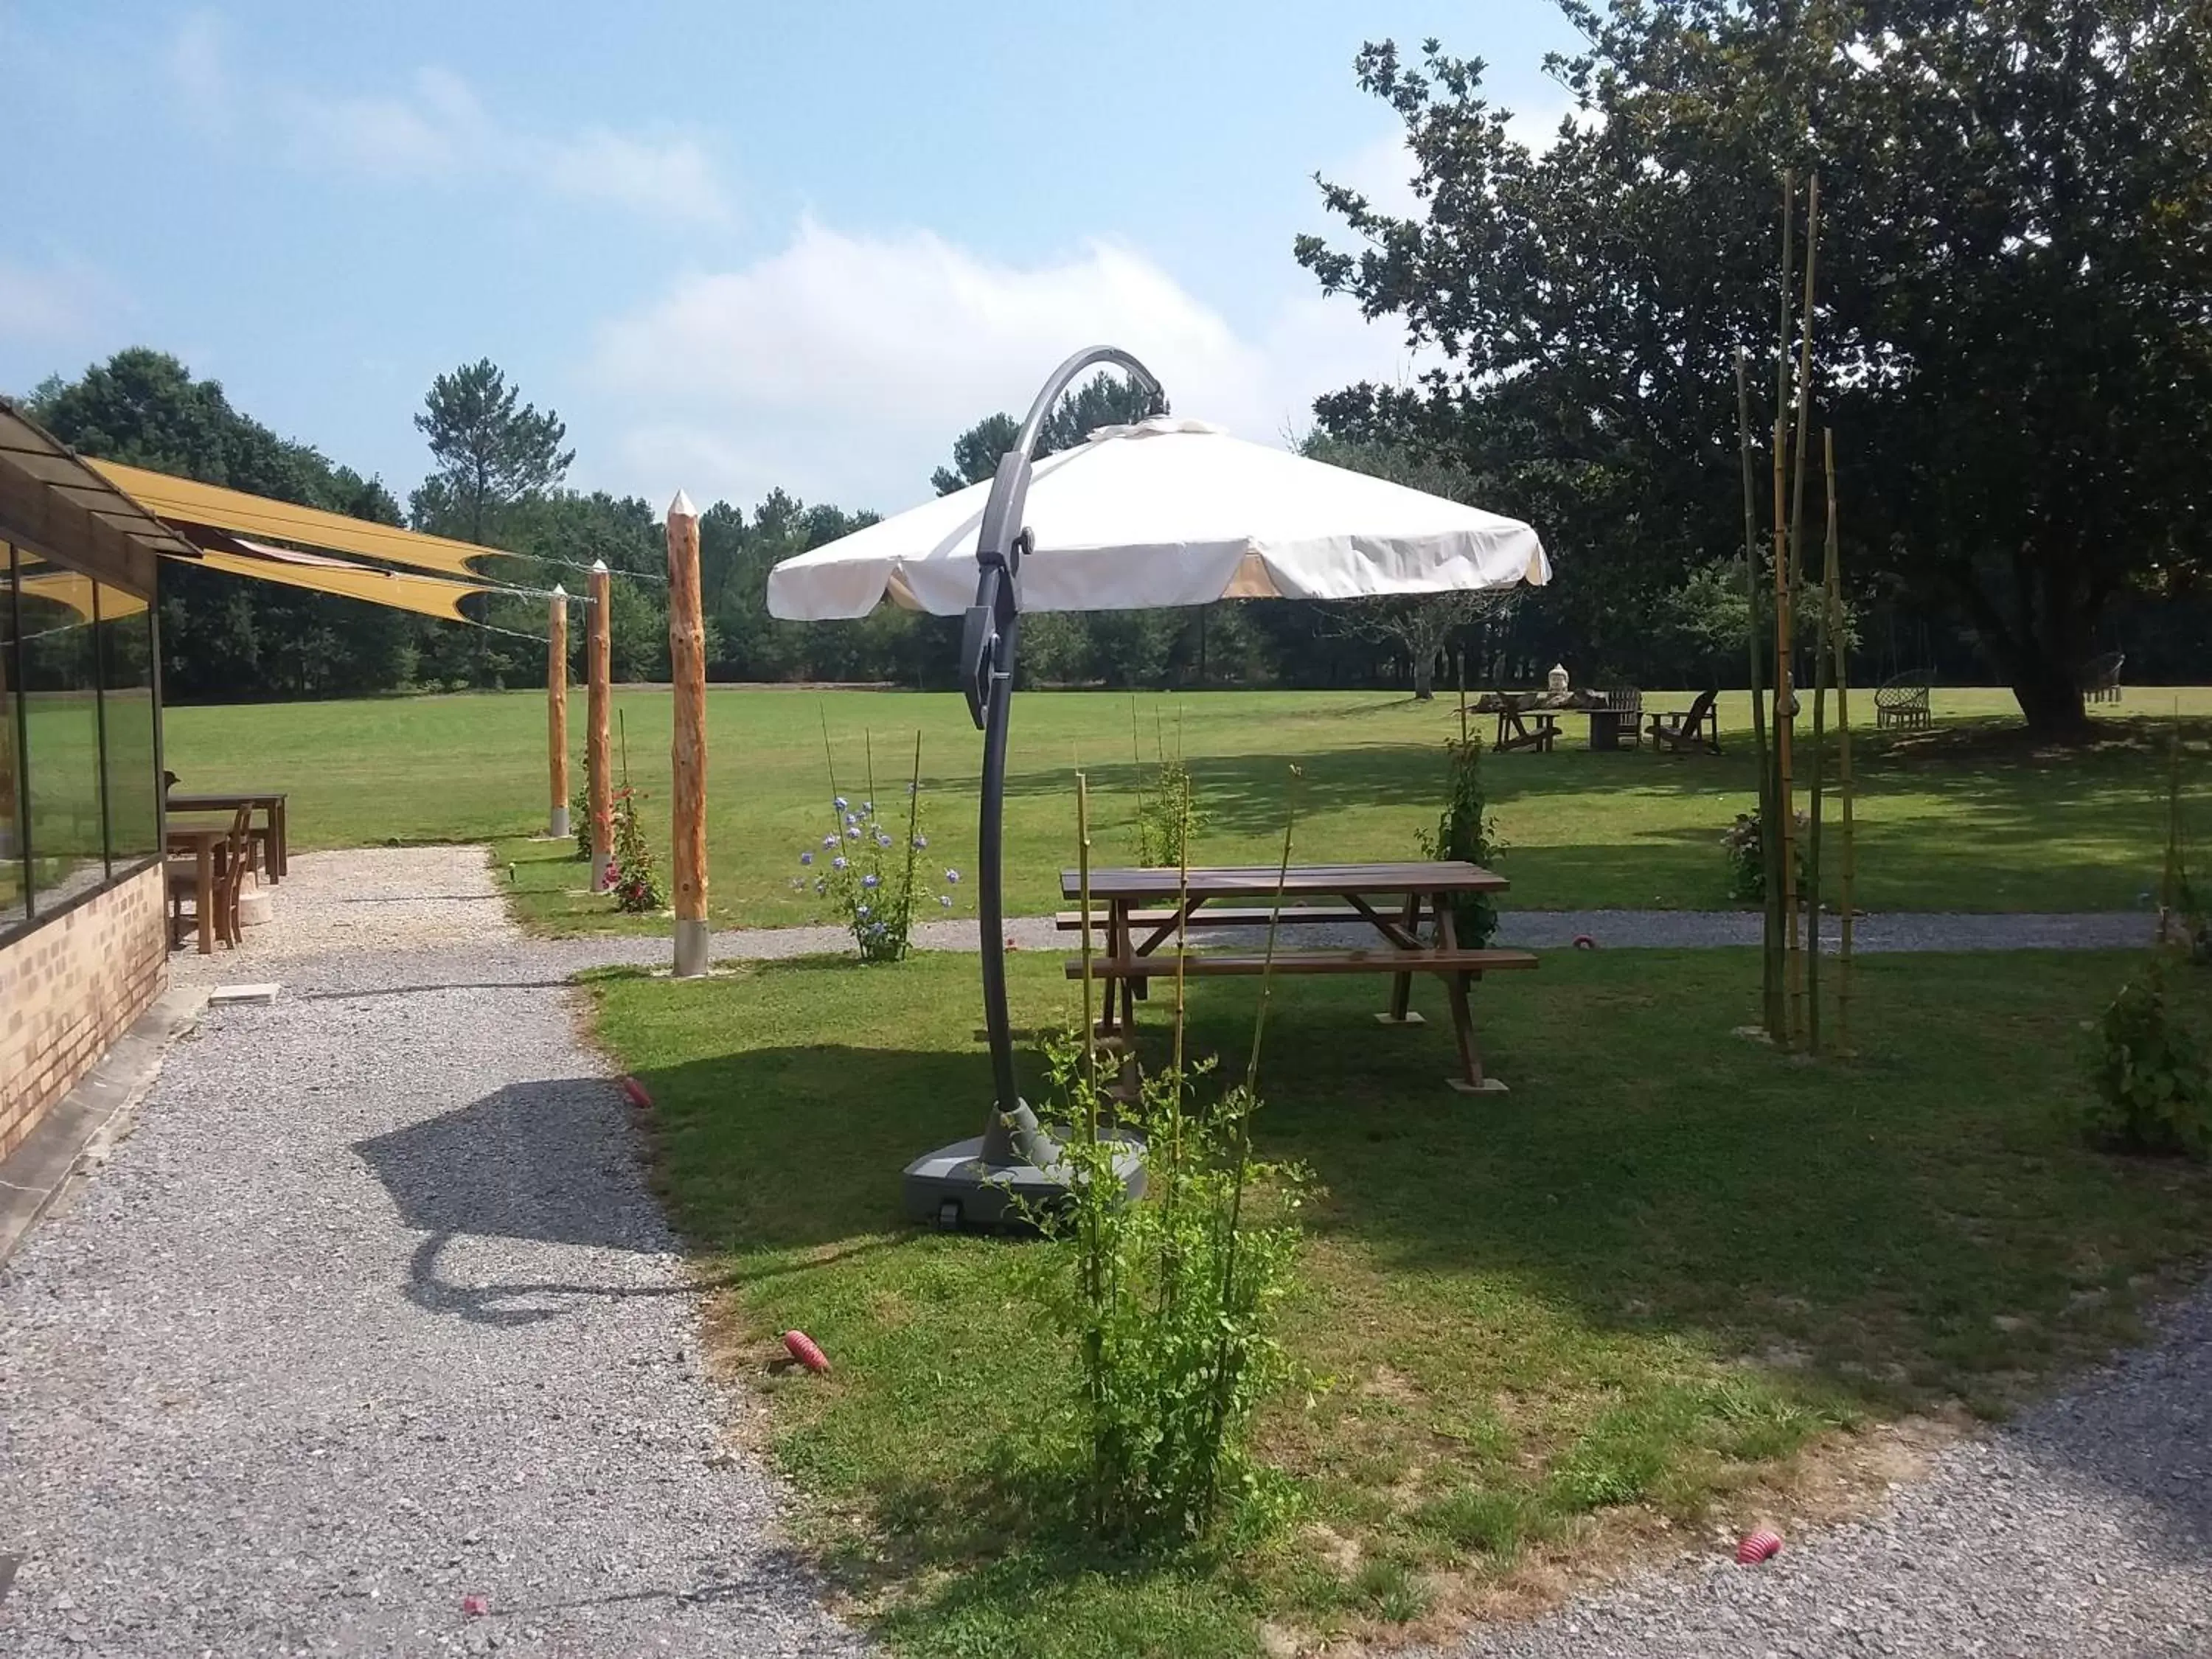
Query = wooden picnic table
x=269 y=802
x=1138 y=910
x=198 y=842
x=1611 y=714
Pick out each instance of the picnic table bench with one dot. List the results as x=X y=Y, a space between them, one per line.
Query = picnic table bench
x=1140 y=911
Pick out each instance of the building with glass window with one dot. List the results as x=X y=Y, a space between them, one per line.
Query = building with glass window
x=84 y=940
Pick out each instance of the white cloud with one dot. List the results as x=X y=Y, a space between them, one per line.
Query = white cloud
x=1382 y=172
x=843 y=367
x=196 y=67
x=437 y=130
x=65 y=303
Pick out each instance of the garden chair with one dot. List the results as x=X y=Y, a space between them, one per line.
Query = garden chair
x=1901 y=701
x=2100 y=677
x=236 y=860
x=1679 y=731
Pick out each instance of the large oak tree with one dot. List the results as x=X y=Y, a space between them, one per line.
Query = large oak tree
x=2015 y=294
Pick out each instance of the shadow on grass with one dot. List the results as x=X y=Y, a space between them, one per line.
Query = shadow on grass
x=1970 y=815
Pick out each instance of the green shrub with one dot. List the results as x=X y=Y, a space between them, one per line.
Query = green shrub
x=637 y=884
x=1467 y=831
x=1746 y=858
x=2154 y=1068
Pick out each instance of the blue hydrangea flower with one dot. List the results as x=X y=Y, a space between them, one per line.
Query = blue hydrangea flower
x=883 y=839
x=871 y=881
x=807 y=858
x=853 y=834
x=829 y=841
x=921 y=843
x=842 y=803
x=838 y=863
x=946 y=899
x=952 y=876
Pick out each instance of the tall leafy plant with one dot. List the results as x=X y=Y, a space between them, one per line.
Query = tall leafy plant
x=1467 y=832
x=1174 y=1301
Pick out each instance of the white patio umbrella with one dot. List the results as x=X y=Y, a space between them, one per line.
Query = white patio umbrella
x=1162 y=513
x=1170 y=513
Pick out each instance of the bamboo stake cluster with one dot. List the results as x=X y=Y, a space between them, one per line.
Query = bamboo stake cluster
x=1791 y=994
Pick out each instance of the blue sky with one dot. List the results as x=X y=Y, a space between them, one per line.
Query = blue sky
x=736 y=245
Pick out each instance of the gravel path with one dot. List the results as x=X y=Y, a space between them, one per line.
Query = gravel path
x=2083 y=1530
x=1534 y=930
x=373 y=1311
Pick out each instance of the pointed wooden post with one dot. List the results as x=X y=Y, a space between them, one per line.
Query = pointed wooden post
x=687 y=668
x=598 y=774
x=556 y=712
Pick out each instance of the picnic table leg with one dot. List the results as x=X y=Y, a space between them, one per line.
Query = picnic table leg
x=1471 y=1080
x=205 y=903
x=1401 y=988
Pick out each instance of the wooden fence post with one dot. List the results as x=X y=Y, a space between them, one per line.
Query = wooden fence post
x=599 y=776
x=556 y=712
x=687 y=669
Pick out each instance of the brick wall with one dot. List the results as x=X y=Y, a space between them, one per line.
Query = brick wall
x=69 y=989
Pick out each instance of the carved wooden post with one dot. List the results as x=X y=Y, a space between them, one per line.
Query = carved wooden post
x=687 y=668
x=598 y=774
x=556 y=711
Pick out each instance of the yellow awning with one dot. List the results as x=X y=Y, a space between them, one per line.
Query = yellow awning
x=402 y=590
x=184 y=504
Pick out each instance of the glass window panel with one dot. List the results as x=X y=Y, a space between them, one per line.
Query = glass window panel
x=126 y=694
x=12 y=873
x=61 y=717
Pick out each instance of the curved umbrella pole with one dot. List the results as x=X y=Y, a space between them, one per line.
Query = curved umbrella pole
x=967 y=1183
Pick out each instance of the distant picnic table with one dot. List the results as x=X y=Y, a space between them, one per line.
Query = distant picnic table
x=1138 y=914
x=1529 y=719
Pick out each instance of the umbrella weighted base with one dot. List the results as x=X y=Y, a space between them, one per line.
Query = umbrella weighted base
x=955 y=1190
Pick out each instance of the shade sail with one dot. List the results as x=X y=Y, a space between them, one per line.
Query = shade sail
x=402 y=590
x=185 y=504
x=1170 y=513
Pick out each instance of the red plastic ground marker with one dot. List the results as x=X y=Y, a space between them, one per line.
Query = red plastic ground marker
x=803 y=1351
x=1759 y=1547
x=475 y=1606
x=635 y=1091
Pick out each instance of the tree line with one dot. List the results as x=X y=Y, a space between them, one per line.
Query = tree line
x=2014 y=306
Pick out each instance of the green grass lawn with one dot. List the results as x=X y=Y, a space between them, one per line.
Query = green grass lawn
x=1965 y=817
x=1650 y=1291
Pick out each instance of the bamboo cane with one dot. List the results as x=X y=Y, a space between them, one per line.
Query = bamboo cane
x=1083 y=878
x=597 y=778
x=1799 y=1021
x=1839 y=642
x=556 y=714
x=1779 y=834
x=1820 y=637
x=1770 y=975
x=687 y=667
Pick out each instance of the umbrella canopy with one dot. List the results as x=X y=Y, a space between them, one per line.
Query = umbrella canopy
x=1170 y=513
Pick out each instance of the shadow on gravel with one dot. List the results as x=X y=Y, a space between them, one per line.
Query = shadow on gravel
x=542 y=1162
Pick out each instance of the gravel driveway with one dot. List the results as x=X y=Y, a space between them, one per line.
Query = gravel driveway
x=370 y=1313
